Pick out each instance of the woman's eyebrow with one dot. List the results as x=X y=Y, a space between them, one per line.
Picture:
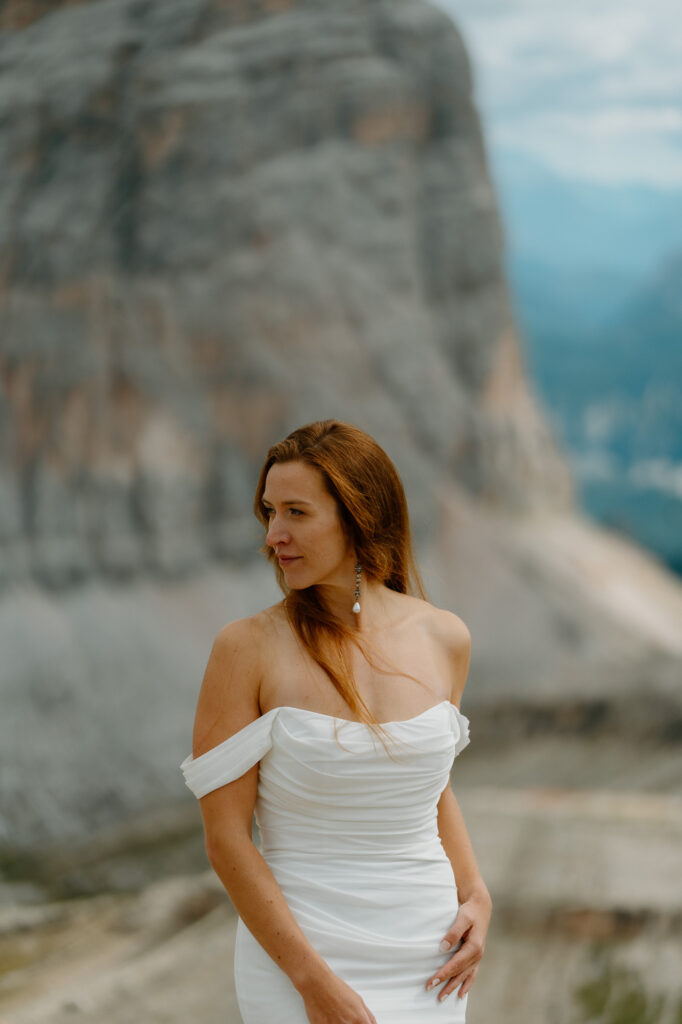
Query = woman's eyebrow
x=298 y=501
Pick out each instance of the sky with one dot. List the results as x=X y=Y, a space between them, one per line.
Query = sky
x=591 y=89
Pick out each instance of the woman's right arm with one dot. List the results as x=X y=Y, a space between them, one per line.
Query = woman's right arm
x=228 y=701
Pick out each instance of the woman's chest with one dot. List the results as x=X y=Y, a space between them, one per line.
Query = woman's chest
x=395 y=685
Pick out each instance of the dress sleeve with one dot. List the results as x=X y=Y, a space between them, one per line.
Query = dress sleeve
x=460 y=725
x=231 y=758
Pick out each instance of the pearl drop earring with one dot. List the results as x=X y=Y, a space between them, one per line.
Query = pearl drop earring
x=356 y=606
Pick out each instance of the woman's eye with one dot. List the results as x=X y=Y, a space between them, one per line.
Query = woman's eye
x=297 y=511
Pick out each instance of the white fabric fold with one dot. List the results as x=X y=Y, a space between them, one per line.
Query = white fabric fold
x=231 y=758
x=461 y=730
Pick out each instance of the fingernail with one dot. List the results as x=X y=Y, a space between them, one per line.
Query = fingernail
x=432 y=984
x=441 y=999
x=445 y=946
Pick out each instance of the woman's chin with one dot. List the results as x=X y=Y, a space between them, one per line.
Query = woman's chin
x=296 y=579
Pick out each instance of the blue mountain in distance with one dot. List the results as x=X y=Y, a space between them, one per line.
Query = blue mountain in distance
x=596 y=277
x=576 y=250
x=585 y=225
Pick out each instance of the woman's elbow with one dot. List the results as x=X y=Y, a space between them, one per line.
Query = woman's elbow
x=226 y=845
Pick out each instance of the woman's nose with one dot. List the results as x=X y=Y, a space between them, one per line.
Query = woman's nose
x=276 y=533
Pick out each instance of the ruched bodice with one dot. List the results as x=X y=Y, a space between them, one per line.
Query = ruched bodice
x=349 y=829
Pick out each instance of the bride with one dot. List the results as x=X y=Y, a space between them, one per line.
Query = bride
x=334 y=715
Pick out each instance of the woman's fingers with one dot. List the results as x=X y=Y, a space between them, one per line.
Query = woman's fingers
x=465 y=941
x=458 y=967
x=468 y=982
x=464 y=980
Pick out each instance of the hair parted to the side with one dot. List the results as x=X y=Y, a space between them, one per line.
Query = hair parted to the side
x=370 y=497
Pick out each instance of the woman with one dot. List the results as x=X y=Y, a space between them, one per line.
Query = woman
x=334 y=716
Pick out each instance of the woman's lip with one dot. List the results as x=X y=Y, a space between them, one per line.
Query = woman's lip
x=287 y=558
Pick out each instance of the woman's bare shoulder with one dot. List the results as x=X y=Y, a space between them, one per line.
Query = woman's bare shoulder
x=447 y=625
x=229 y=697
x=452 y=629
x=454 y=640
x=251 y=630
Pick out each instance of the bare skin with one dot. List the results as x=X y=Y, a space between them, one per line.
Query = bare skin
x=257 y=663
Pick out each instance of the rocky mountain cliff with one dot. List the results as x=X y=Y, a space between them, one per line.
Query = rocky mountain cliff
x=218 y=222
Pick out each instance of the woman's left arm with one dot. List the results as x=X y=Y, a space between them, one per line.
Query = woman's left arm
x=475 y=904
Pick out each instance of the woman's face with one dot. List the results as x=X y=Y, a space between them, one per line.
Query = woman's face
x=304 y=525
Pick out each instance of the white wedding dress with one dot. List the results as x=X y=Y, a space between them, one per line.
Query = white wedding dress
x=350 y=833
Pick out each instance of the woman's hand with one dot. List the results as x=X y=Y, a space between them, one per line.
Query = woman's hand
x=471 y=926
x=332 y=1001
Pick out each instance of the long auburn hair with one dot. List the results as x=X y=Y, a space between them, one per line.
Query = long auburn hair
x=372 y=507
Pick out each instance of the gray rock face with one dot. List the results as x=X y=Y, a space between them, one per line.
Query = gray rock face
x=219 y=222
